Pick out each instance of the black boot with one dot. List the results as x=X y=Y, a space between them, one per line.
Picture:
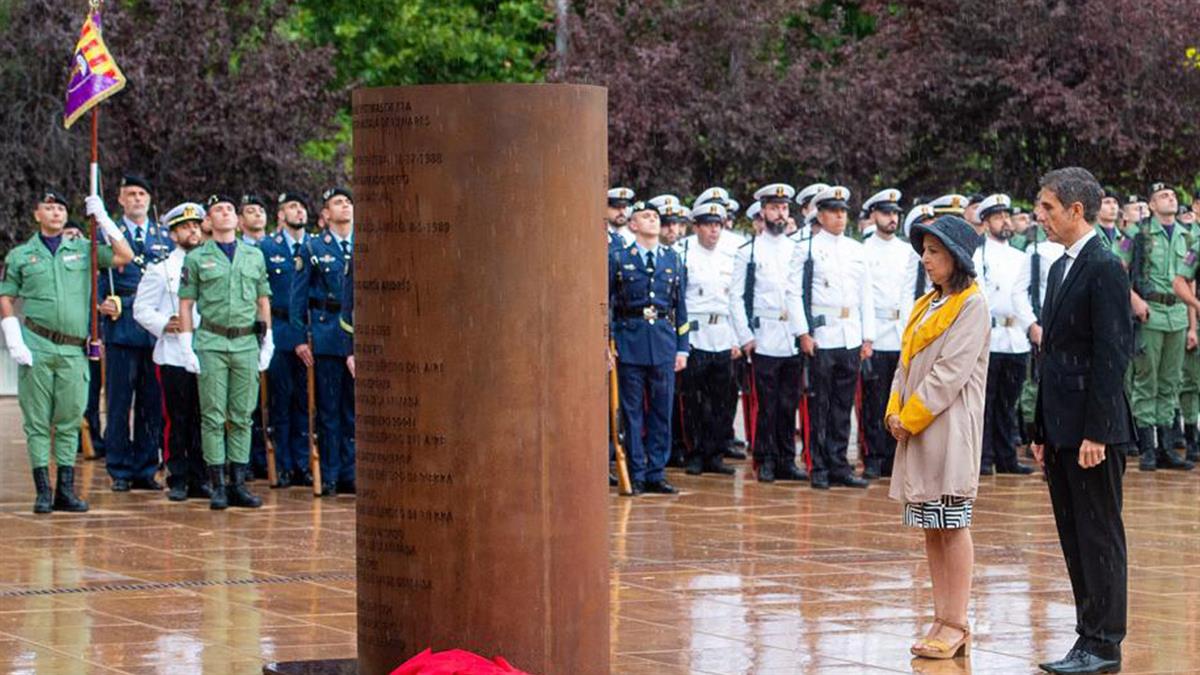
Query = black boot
x=1145 y=444
x=178 y=490
x=766 y=472
x=64 y=496
x=1193 y=450
x=1166 y=457
x=1177 y=432
x=238 y=494
x=199 y=489
x=45 y=496
x=789 y=471
x=283 y=479
x=717 y=465
x=695 y=465
x=216 y=482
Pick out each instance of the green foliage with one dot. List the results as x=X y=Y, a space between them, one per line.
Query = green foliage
x=401 y=42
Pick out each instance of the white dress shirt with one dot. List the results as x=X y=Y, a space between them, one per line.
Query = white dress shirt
x=998 y=275
x=841 y=290
x=709 y=274
x=889 y=260
x=1048 y=252
x=779 y=318
x=1073 y=252
x=157 y=301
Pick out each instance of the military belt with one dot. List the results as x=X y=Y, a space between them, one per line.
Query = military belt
x=839 y=312
x=887 y=314
x=1004 y=321
x=331 y=306
x=710 y=319
x=1168 y=299
x=225 y=331
x=280 y=313
x=649 y=313
x=54 y=336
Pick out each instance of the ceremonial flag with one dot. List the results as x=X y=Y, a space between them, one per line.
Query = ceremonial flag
x=94 y=74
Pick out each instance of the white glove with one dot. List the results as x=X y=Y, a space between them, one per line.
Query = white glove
x=191 y=362
x=266 y=351
x=94 y=207
x=16 y=342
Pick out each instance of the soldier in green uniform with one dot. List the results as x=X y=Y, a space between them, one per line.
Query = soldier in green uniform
x=1159 y=249
x=1189 y=392
x=226 y=280
x=1107 y=227
x=52 y=275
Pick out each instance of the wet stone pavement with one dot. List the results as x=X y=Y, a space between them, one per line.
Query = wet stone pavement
x=727 y=577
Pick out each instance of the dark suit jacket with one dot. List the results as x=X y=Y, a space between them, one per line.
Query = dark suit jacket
x=1087 y=345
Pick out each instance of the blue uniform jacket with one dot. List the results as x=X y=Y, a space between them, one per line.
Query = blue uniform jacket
x=645 y=336
x=282 y=269
x=155 y=246
x=317 y=294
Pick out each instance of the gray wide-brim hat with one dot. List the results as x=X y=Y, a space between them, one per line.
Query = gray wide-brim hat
x=955 y=234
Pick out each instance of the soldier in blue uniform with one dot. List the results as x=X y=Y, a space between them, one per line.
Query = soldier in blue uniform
x=130 y=382
x=315 y=310
x=646 y=282
x=288 y=397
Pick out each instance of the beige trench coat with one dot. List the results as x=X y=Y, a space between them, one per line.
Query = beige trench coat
x=939 y=398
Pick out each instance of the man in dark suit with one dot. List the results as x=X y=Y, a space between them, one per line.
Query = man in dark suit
x=1082 y=410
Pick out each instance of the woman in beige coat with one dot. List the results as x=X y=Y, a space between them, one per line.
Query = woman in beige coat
x=935 y=411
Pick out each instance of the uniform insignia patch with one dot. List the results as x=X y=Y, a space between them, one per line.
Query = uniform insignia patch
x=73 y=257
x=327 y=258
x=1126 y=244
x=1190 y=259
x=33 y=258
x=328 y=239
x=208 y=265
x=669 y=270
x=277 y=259
x=183 y=277
x=629 y=267
x=299 y=263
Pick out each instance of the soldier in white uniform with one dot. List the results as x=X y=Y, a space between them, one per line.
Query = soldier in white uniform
x=1009 y=361
x=915 y=283
x=767 y=319
x=837 y=332
x=708 y=379
x=808 y=210
x=616 y=218
x=888 y=257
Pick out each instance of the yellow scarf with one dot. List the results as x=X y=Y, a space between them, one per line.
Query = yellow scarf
x=919 y=337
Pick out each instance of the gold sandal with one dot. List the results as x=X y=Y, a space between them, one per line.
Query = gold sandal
x=919 y=644
x=939 y=649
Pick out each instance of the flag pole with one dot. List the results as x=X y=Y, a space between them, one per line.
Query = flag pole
x=94 y=178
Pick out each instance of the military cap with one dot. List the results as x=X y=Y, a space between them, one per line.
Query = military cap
x=673 y=213
x=754 y=211
x=885 y=200
x=1111 y=193
x=952 y=203
x=641 y=205
x=708 y=213
x=713 y=194
x=775 y=192
x=1132 y=199
x=808 y=193
x=956 y=235
x=974 y=198
x=290 y=196
x=53 y=197
x=732 y=206
x=1159 y=186
x=334 y=192
x=134 y=180
x=1017 y=210
x=249 y=198
x=620 y=197
x=183 y=213
x=1184 y=208
x=995 y=204
x=217 y=198
x=663 y=200
x=835 y=197
x=918 y=213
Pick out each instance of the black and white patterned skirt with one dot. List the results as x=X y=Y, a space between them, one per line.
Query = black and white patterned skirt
x=947 y=513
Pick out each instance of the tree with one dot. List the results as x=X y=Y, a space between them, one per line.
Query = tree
x=218 y=99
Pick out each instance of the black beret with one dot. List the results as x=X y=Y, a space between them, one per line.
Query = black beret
x=53 y=197
x=249 y=198
x=134 y=180
x=291 y=196
x=217 y=198
x=1159 y=186
x=335 y=191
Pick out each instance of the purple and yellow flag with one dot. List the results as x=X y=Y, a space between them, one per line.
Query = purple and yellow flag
x=94 y=75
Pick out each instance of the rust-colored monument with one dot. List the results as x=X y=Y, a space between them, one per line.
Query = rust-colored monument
x=479 y=342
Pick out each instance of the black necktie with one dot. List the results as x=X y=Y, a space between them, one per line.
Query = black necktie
x=1057 y=271
x=346 y=249
x=296 y=250
x=650 y=262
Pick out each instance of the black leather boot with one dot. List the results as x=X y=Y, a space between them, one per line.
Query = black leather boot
x=45 y=496
x=1166 y=457
x=1177 y=431
x=216 y=482
x=64 y=495
x=1193 y=450
x=238 y=494
x=178 y=489
x=1145 y=444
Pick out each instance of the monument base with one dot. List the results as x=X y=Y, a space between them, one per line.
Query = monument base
x=319 y=667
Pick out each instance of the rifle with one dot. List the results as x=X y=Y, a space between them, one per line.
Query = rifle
x=748 y=290
x=272 y=476
x=624 y=486
x=314 y=449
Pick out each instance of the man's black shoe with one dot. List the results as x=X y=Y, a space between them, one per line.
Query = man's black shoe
x=790 y=471
x=765 y=473
x=302 y=478
x=719 y=467
x=1079 y=661
x=660 y=487
x=695 y=466
x=870 y=471
x=612 y=480
x=733 y=453
x=1018 y=469
x=986 y=470
x=283 y=479
x=850 y=480
x=820 y=481
x=328 y=489
x=147 y=484
x=178 y=492
x=120 y=485
x=636 y=488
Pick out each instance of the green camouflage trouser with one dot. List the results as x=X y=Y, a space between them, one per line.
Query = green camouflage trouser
x=1157 y=372
x=52 y=394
